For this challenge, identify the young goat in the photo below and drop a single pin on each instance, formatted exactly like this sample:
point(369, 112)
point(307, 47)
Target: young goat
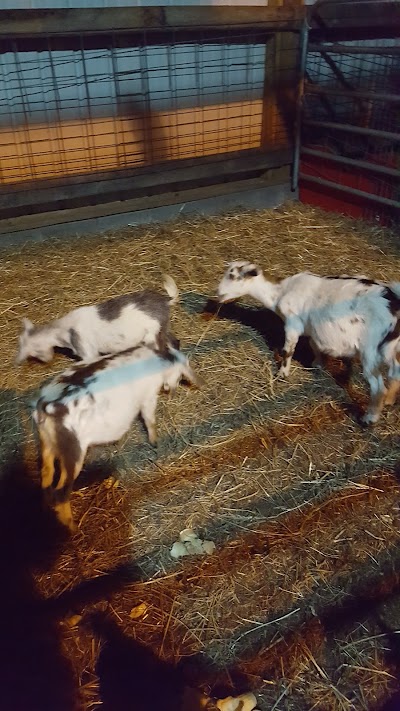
point(96, 403)
point(100, 329)
point(343, 317)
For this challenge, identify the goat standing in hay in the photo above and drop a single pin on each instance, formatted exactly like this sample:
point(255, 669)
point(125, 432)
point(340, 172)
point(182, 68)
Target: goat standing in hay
point(105, 328)
point(342, 316)
point(96, 403)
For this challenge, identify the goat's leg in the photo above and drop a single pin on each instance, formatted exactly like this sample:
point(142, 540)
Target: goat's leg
point(162, 342)
point(293, 331)
point(62, 493)
point(86, 352)
point(47, 451)
point(393, 378)
point(377, 394)
point(318, 361)
point(148, 412)
point(391, 393)
point(48, 468)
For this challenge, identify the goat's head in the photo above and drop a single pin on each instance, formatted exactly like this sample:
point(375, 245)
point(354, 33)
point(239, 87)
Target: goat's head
point(180, 370)
point(237, 281)
point(34, 343)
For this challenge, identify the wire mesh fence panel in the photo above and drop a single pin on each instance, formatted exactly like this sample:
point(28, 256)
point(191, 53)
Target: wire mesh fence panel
point(134, 102)
point(351, 113)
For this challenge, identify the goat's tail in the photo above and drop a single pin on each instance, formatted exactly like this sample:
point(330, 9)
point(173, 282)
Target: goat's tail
point(171, 289)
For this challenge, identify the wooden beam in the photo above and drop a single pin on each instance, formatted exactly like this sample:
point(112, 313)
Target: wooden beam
point(280, 89)
point(52, 22)
point(241, 17)
point(274, 176)
point(45, 195)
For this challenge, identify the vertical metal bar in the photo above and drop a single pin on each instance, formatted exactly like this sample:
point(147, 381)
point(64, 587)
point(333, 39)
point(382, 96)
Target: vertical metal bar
point(58, 102)
point(299, 108)
point(173, 123)
point(11, 122)
point(146, 116)
point(251, 52)
point(116, 113)
point(198, 54)
point(89, 133)
point(82, 114)
point(267, 137)
point(25, 110)
point(218, 146)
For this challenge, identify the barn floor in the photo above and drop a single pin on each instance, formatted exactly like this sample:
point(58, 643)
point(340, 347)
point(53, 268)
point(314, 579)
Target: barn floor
point(299, 601)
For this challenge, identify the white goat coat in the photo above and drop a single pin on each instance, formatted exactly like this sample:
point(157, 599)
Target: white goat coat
point(96, 403)
point(109, 327)
point(342, 316)
point(102, 408)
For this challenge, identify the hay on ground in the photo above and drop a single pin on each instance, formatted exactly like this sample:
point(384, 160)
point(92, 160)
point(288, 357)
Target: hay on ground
point(300, 501)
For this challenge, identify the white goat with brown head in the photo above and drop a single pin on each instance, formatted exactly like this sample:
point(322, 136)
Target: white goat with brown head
point(342, 316)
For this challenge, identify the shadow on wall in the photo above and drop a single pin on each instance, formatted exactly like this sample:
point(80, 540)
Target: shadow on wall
point(134, 136)
point(94, 144)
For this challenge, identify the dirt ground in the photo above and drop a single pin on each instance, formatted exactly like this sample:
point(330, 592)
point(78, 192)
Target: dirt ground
point(300, 602)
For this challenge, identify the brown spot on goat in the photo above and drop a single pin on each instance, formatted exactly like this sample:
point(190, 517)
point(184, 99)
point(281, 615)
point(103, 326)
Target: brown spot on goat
point(392, 335)
point(151, 302)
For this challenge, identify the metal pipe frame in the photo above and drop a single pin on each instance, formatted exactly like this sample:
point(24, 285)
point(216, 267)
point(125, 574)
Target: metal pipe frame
point(375, 96)
point(350, 191)
point(299, 107)
point(365, 165)
point(389, 135)
point(353, 49)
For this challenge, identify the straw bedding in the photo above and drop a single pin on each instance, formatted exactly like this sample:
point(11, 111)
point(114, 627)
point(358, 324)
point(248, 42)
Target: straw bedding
point(301, 503)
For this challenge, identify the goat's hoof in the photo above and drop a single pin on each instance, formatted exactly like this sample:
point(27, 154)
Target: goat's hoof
point(282, 374)
point(317, 364)
point(368, 420)
point(390, 400)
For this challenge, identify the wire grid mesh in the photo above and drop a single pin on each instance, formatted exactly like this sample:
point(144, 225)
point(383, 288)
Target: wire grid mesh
point(360, 90)
point(90, 109)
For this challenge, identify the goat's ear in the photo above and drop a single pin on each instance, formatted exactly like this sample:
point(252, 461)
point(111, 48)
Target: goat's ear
point(27, 324)
point(251, 271)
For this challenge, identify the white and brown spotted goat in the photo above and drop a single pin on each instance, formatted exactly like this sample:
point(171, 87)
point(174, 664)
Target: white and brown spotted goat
point(342, 316)
point(96, 403)
point(105, 328)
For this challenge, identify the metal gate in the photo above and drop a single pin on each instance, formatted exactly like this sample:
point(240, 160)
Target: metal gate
point(349, 143)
